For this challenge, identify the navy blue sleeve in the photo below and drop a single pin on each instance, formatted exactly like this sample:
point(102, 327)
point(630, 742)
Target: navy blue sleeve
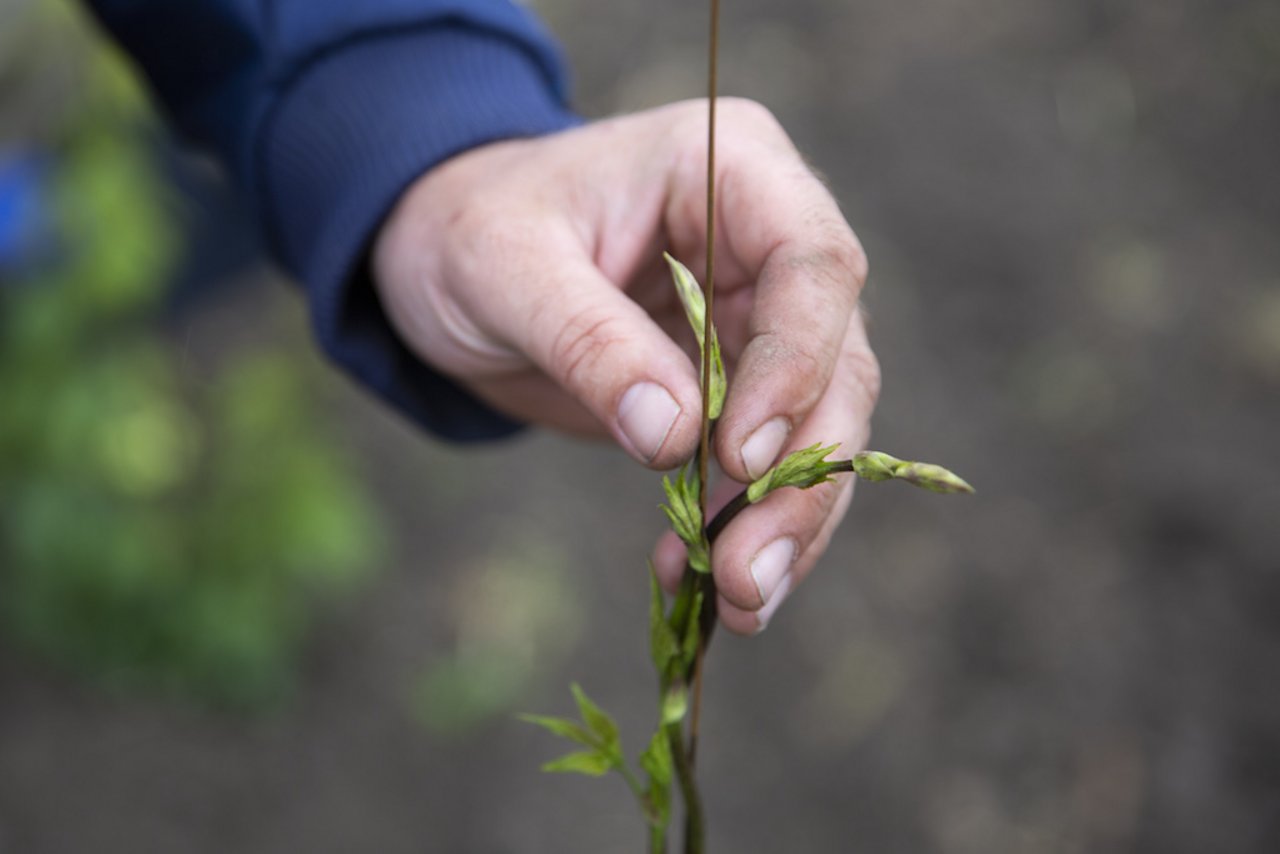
point(325, 111)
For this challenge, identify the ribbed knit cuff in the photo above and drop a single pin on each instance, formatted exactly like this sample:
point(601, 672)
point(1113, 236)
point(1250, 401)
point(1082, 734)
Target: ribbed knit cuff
point(344, 142)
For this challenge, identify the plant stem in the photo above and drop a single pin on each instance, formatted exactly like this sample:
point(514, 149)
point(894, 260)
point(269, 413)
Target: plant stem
point(694, 830)
point(740, 502)
point(726, 515)
point(657, 839)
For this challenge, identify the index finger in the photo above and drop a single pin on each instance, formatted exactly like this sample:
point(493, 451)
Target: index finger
point(781, 224)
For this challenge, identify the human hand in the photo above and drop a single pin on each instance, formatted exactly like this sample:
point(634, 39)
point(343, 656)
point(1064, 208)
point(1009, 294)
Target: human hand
point(532, 272)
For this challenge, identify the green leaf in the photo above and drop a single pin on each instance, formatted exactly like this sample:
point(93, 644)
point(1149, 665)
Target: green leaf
point(592, 763)
point(802, 469)
point(719, 384)
point(563, 727)
point(656, 759)
point(663, 644)
point(675, 704)
point(597, 720)
point(694, 302)
point(684, 511)
point(656, 762)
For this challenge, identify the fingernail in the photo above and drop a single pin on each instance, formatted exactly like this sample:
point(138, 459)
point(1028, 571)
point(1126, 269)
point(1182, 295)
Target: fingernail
point(765, 614)
point(762, 447)
point(646, 414)
point(770, 566)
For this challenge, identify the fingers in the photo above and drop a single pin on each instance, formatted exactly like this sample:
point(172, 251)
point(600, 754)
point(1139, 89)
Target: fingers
point(592, 341)
point(531, 396)
point(782, 226)
point(772, 546)
point(776, 569)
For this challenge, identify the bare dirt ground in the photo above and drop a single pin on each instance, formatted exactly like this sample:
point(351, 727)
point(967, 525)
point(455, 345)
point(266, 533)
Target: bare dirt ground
point(1073, 216)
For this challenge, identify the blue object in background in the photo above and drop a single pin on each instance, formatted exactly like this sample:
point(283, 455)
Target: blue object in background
point(25, 227)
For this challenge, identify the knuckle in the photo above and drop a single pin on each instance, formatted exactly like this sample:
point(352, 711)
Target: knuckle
point(473, 218)
point(857, 263)
point(862, 370)
point(797, 358)
point(751, 112)
point(484, 230)
point(842, 255)
point(809, 367)
point(579, 347)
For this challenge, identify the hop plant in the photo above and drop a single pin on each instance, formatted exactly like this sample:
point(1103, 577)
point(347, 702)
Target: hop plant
point(678, 634)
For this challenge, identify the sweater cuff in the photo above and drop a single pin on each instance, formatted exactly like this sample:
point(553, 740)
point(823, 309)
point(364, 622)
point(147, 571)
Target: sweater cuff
point(347, 138)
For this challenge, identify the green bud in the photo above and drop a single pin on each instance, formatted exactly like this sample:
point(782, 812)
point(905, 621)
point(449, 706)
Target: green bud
point(684, 512)
point(695, 308)
point(675, 704)
point(933, 478)
point(876, 466)
point(811, 467)
point(691, 296)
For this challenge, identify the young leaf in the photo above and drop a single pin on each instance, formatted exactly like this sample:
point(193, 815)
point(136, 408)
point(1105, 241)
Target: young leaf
point(685, 514)
point(563, 727)
point(656, 759)
point(802, 469)
point(597, 720)
point(656, 762)
point(593, 763)
point(691, 297)
point(663, 644)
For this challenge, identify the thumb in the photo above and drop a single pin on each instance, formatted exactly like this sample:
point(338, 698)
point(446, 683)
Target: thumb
point(594, 341)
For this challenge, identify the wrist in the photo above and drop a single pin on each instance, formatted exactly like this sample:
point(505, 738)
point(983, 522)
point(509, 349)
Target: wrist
point(350, 134)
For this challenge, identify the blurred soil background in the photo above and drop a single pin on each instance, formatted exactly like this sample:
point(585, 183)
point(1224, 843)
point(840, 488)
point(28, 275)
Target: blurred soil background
point(309, 627)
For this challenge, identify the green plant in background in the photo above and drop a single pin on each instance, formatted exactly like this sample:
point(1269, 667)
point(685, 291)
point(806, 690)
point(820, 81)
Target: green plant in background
point(679, 634)
point(154, 532)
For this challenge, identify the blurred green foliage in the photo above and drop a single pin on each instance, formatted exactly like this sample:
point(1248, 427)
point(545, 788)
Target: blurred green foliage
point(154, 532)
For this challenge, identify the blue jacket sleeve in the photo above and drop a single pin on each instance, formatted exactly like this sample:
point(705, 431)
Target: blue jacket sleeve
point(325, 111)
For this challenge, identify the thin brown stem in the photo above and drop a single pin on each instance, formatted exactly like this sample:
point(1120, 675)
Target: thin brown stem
point(708, 280)
point(726, 515)
point(740, 502)
point(694, 829)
